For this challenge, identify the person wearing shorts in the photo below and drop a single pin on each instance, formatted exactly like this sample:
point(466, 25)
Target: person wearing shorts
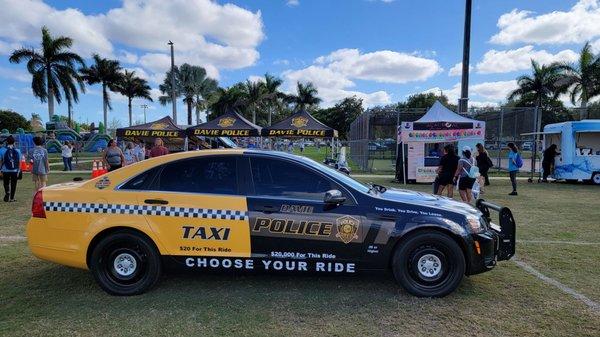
point(448, 164)
point(465, 183)
point(41, 167)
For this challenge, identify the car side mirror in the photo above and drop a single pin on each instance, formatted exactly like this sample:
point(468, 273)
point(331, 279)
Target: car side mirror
point(334, 197)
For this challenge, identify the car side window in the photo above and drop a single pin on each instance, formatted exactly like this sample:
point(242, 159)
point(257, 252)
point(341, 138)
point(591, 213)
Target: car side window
point(211, 175)
point(142, 181)
point(280, 178)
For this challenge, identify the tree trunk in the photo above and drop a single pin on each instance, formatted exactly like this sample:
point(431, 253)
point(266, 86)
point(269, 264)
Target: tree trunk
point(70, 113)
point(197, 115)
point(270, 114)
point(583, 112)
point(189, 113)
point(50, 95)
point(105, 107)
point(130, 114)
point(253, 115)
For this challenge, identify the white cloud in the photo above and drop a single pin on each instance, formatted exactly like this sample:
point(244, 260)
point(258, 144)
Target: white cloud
point(497, 91)
point(580, 23)
point(281, 62)
point(7, 48)
point(204, 32)
point(256, 78)
point(15, 74)
point(380, 66)
point(456, 70)
point(293, 3)
point(504, 61)
point(334, 74)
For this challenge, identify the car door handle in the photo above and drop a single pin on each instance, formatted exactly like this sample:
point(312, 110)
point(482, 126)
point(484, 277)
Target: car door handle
point(156, 201)
point(267, 209)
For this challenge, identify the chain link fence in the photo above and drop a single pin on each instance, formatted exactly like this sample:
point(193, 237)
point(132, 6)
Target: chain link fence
point(373, 135)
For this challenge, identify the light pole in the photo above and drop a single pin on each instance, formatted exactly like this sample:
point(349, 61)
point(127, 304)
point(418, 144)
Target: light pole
point(463, 102)
point(173, 98)
point(144, 106)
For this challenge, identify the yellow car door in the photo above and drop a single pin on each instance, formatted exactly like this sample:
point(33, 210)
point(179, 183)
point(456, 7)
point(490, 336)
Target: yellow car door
point(195, 207)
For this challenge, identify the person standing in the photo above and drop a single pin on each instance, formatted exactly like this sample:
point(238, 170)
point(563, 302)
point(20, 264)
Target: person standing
point(465, 181)
point(130, 154)
point(514, 163)
point(484, 163)
point(67, 156)
point(445, 171)
point(159, 149)
point(41, 166)
point(548, 161)
point(113, 157)
point(10, 168)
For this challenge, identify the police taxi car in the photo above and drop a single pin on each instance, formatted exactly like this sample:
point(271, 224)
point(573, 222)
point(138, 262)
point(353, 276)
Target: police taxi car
point(249, 210)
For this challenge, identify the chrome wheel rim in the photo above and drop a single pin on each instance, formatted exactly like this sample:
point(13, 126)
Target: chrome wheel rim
point(429, 266)
point(125, 264)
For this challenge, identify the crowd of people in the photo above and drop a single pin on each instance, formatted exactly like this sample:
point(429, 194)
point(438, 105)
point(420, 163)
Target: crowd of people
point(114, 157)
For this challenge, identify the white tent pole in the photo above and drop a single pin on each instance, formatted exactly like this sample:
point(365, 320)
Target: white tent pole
point(403, 164)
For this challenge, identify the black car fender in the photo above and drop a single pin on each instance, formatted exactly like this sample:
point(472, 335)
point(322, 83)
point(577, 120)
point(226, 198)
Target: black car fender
point(404, 229)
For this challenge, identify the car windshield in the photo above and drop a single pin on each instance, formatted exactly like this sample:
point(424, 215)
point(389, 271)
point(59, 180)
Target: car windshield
point(339, 176)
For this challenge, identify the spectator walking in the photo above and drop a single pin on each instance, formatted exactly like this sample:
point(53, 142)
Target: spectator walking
point(465, 181)
point(10, 158)
point(548, 161)
point(139, 150)
point(514, 163)
point(41, 166)
point(113, 157)
point(484, 163)
point(130, 154)
point(448, 165)
point(302, 145)
point(159, 149)
point(67, 156)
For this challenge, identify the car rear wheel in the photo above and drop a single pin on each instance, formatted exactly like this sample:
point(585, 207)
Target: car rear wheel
point(429, 264)
point(125, 263)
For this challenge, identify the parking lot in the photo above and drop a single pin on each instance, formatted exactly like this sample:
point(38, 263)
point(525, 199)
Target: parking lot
point(549, 289)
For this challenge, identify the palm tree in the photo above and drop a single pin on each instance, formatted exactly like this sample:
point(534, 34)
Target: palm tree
point(107, 73)
point(192, 84)
point(203, 97)
point(306, 96)
point(272, 94)
point(583, 78)
point(225, 99)
point(545, 83)
point(255, 94)
point(53, 68)
point(132, 86)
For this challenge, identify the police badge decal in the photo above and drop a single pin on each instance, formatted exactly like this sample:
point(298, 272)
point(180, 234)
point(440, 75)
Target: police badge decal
point(226, 122)
point(347, 228)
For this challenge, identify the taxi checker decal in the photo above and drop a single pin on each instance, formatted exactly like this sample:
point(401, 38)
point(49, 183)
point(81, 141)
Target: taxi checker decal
point(184, 212)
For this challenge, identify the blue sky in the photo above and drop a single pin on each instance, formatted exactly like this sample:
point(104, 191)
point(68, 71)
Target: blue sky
point(379, 50)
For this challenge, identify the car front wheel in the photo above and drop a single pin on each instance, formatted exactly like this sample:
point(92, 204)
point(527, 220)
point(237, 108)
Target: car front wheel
point(125, 263)
point(429, 264)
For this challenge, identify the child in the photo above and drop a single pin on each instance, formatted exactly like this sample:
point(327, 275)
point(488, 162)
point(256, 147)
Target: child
point(41, 167)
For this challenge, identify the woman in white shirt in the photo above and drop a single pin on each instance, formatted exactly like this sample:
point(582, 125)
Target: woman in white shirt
point(130, 154)
point(67, 156)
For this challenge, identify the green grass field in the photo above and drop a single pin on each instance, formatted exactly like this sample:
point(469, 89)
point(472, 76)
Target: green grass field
point(39, 298)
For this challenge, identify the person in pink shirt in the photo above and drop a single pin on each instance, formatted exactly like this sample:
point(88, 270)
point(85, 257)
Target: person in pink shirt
point(159, 149)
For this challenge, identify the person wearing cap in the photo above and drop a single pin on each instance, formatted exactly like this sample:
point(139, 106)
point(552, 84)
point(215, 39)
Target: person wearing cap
point(465, 183)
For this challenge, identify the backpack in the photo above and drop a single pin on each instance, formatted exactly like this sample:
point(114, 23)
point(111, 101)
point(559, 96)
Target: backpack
point(473, 171)
point(10, 160)
point(519, 160)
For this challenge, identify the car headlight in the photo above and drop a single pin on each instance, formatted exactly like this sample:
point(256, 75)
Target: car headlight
point(474, 224)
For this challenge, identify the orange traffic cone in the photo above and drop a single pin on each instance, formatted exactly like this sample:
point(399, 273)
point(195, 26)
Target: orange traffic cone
point(101, 169)
point(24, 166)
point(94, 169)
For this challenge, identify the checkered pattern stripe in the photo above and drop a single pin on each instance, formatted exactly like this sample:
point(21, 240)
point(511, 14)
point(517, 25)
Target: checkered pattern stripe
point(184, 212)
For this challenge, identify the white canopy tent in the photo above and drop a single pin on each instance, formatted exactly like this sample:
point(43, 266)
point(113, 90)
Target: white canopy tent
point(438, 125)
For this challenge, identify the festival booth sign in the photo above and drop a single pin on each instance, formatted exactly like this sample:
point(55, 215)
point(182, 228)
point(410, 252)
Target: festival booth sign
point(231, 124)
point(300, 124)
point(164, 128)
point(438, 125)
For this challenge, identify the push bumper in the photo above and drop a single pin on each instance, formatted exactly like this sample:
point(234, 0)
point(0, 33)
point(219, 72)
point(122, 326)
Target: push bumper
point(504, 234)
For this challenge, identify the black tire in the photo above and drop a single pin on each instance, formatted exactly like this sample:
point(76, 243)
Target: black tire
point(596, 178)
point(140, 268)
point(429, 264)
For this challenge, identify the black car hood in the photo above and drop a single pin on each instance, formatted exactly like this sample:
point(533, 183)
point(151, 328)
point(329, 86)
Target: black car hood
point(427, 200)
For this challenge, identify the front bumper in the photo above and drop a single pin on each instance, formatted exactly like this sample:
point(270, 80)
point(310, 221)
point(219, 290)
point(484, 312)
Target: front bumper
point(497, 243)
